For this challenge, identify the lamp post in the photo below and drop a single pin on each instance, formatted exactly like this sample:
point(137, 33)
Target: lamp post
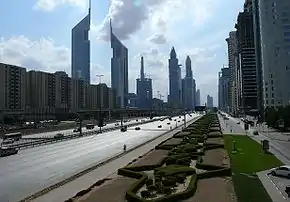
point(100, 121)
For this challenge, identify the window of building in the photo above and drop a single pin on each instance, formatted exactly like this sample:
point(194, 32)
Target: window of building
point(267, 102)
point(272, 82)
point(286, 33)
point(272, 102)
point(272, 88)
point(287, 68)
point(266, 89)
point(272, 95)
point(266, 95)
point(287, 40)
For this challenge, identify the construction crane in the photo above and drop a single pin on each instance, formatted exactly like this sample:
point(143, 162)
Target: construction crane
point(100, 77)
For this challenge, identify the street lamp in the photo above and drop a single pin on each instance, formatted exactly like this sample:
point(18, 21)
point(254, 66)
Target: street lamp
point(100, 121)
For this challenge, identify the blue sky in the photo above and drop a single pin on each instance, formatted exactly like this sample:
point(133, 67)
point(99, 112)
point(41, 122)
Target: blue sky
point(37, 35)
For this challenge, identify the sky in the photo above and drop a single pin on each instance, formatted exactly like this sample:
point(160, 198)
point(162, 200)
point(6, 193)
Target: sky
point(36, 34)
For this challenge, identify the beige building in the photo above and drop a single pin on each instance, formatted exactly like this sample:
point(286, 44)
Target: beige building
point(92, 97)
point(12, 88)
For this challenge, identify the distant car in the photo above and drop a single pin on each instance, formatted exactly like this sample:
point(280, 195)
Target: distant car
point(255, 133)
point(137, 128)
point(159, 126)
point(168, 123)
point(58, 136)
point(8, 141)
point(238, 122)
point(175, 120)
point(116, 124)
point(124, 129)
point(76, 130)
point(281, 171)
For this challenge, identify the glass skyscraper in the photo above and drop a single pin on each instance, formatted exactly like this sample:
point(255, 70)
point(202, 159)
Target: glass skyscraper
point(80, 52)
point(119, 70)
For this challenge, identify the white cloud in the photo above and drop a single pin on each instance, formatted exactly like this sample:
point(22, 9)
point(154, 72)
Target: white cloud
point(50, 5)
point(39, 55)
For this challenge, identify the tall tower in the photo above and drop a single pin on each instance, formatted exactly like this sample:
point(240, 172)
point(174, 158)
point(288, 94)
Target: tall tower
point(142, 74)
point(80, 52)
point(144, 89)
point(174, 79)
point(188, 88)
point(119, 70)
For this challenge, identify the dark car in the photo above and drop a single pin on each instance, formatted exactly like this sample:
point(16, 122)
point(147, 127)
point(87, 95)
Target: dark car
point(137, 128)
point(124, 129)
point(159, 126)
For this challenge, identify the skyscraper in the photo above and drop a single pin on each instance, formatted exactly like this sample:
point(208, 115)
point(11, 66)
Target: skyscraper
point(144, 89)
point(188, 87)
point(119, 70)
point(274, 20)
point(223, 94)
point(247, 60)
point(80, 52)
point(209, 101)
point(174, 80)
point(197, 98)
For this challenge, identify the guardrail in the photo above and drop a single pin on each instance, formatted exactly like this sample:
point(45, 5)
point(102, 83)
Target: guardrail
point(49, 140)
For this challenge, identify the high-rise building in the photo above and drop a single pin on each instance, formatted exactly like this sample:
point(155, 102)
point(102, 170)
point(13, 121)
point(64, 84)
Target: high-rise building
point(174, 80)
point(188, 86)
point(40, 94)
point(78, 94)
point(197, 97)
point(233, 61)
point(209, 101)
point(119, 70)
point(12, 88)
point(274, 20)
point(247, 60)
point(80, 52)
point(223, 85)
point(144, 89)
point(63, 91)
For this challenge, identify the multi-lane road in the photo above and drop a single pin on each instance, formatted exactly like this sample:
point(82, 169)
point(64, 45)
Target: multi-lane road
point(34, 169)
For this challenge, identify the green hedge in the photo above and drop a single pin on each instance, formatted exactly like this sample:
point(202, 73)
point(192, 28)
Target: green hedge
point(132, 197)
point(130, 173)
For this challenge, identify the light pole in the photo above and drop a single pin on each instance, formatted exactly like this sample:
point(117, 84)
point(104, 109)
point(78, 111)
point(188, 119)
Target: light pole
point(100, 121)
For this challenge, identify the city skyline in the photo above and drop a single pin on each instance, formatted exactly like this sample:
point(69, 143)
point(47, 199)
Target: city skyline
point(48, 48)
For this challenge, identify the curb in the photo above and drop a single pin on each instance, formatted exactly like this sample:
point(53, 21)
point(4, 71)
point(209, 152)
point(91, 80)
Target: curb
point(75, 176)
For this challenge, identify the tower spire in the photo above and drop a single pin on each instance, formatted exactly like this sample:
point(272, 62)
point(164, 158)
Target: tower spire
point(90, 5)
point(142, 74)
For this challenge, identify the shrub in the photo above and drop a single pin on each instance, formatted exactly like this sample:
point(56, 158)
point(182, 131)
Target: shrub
point(167, 190)
point(149, 182)
point(145, 194)
point(180, 177)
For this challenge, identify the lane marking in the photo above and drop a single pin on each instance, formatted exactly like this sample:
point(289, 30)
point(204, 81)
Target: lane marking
point(274, 184)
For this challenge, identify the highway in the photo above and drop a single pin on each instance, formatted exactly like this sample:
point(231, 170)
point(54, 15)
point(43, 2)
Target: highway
point(34, 169)
point(70, 131)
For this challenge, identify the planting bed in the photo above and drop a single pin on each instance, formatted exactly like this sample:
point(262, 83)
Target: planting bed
point(185, 168)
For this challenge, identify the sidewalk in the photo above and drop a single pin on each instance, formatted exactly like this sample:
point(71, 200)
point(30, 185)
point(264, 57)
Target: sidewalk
point(70, 189)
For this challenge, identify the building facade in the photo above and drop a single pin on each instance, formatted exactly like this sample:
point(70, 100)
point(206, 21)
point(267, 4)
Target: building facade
point(209, 101)
point(119, 70)
point(80, 51)
point(175, 95)
point(144, 89)
point(188, 86)
point(12, 88)
point(197, 98)
point(274, 21)
point(224, 87)
point(247, 61)
point(233, 61)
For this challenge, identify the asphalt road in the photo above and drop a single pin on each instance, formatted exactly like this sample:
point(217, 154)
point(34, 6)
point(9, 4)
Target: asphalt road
point(36, 168)
point(232, 126)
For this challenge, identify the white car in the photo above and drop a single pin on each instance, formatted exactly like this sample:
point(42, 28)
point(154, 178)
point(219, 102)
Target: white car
point(281, 171)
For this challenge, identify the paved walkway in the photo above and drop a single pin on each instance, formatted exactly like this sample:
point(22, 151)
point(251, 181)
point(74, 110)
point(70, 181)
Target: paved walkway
point(70, 189)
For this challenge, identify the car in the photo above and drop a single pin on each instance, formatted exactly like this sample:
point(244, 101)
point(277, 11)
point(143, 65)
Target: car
point(123, 128)
point(116, 124)
point(255, 133)
point(238, 122)
point(168, 123)
point(8, 141)
point(159, 126)
point(76, 130)
point(58, 136)
point(281, 171)
point(137, 128)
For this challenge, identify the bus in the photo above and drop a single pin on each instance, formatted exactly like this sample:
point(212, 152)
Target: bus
point(16, 136)
point(90, 126)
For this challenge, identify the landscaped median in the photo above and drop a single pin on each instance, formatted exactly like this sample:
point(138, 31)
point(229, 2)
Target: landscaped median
point(247, 158)
point(188, 167)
